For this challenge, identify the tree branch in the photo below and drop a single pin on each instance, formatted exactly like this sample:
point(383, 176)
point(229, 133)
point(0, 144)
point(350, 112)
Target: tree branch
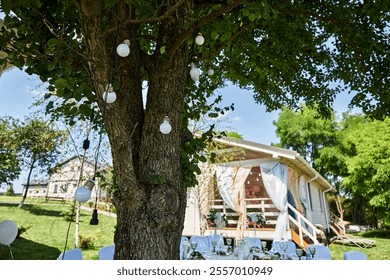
point(171, 10)
point(181, 39)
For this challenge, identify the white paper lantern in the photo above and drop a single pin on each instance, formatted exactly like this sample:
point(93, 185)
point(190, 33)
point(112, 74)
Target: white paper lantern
point(195, 73)
point(199, 40)
point(109, 96)
point(123, 49)
point(82, 194)
point(165, 126)
point(8, 232)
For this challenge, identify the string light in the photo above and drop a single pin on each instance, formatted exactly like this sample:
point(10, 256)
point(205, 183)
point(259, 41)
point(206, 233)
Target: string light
point(83, 194)
point(199, 40)
point(123, 49)
point(109, 95)
point(195, 72)
point(165, 126)
point(210, 72)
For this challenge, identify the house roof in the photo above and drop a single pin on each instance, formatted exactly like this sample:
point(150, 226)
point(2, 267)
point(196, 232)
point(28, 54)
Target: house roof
point(36, 183)
point(252, 151)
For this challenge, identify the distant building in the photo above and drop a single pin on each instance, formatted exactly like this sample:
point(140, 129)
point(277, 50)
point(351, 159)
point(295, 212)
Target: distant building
point(36, 188)
point(64, 179)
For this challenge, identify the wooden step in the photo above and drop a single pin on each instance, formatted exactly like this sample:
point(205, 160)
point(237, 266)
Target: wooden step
point(296, 239)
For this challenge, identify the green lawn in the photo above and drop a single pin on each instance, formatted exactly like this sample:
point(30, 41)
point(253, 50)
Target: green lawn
point(46, 237)
point(47, 230)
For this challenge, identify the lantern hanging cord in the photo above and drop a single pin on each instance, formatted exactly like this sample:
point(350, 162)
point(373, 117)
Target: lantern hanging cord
point(86, 143)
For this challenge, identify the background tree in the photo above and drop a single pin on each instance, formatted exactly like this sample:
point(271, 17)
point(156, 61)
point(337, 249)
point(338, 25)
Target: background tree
point(39, 143)
point(284, 51)
point(10, 191)
point(368, 167)
point(351, 153)
point(9, 146)
point(305, 131)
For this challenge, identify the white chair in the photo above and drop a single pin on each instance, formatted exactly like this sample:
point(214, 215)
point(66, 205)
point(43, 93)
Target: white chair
point(253, 242)
point(355, 255)
point(106, 252)
point(220, 245)
point(203, 243)
point(322, 252)
point(72, 254)
point(290, 251)
point(184, 244)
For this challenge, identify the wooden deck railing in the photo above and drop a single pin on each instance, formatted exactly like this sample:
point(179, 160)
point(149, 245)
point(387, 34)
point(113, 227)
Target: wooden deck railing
point(306, 231)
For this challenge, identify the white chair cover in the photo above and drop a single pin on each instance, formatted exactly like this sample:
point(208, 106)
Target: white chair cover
point(253, 242)
point(322, 252)
point(73, 254)
point(220, 242)
point(203, 243)
point(291, 249)
point(106, 252)
point(182, 242)
point(355, 255)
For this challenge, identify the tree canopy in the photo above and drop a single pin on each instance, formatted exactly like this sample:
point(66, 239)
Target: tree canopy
point(9, 161)
point(351, 152)
point(286, 52)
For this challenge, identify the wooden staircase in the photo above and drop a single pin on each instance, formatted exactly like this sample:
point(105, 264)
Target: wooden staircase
point(296, 238)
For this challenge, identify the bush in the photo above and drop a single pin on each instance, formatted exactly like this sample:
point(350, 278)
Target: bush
point(86, 241)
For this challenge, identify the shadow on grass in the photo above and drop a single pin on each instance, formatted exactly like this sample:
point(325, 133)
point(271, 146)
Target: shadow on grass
point(24, 249)
point(38, 210)
point(376, 234)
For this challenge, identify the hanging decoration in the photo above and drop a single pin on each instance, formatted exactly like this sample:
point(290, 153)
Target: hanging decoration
point(123, 49)
point(165, 126)
point(199, 40)
point(195, 72)
point(109, 96)
point(83, 194)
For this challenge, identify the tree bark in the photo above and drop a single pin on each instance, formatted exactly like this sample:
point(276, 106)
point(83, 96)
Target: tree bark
point(150, 197)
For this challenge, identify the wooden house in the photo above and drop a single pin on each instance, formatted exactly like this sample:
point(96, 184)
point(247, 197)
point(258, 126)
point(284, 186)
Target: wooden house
point(250, 179)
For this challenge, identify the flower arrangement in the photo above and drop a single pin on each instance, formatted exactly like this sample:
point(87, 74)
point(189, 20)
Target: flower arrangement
point(217, 219)
point(256, 219)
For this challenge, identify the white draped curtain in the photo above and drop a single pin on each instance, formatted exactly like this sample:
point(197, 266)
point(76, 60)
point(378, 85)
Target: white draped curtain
point(275, 180)
point(231, 185)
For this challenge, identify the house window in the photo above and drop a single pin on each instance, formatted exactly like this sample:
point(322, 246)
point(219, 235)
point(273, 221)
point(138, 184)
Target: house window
point(55, 189)
point(321, 202)
point(310, 198)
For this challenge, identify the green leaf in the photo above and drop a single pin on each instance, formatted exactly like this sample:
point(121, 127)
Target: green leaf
point(162, 49)
point(61, 83)
point(53, 42)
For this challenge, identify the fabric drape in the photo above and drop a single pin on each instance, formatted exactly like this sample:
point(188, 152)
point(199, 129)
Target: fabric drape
point(293, 178)
point(231, 185)
point(274, 176)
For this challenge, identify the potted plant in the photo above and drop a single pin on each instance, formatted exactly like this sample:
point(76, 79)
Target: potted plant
point(216, 219)
point(256, 219)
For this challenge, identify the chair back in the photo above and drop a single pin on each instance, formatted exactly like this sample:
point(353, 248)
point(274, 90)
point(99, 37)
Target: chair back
point(106, 252)
point(203, 243)
point(322, 252)
point(72, 254)
point(220, 242)
point(290, 250)
point(253, 242)
point(355, 255)
point(184, 244)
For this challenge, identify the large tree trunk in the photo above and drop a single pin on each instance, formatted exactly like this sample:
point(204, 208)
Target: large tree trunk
point(150, 197)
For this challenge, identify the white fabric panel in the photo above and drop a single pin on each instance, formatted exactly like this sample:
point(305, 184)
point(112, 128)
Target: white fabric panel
point(275, 181)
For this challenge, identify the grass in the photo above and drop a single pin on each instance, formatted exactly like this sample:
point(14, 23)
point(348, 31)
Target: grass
point(47, 228)
point(46, 234)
